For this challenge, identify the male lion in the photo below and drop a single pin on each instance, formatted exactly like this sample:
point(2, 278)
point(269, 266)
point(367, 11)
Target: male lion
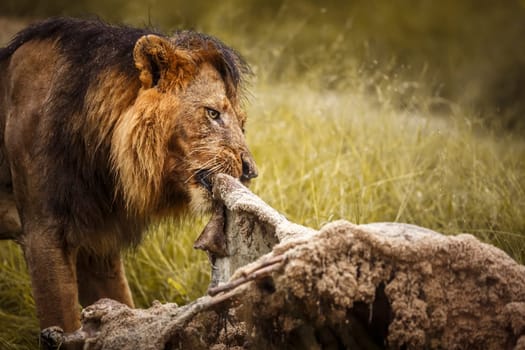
point(103, 128)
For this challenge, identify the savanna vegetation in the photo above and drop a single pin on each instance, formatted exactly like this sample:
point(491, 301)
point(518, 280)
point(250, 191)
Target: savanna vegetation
point(366, 110)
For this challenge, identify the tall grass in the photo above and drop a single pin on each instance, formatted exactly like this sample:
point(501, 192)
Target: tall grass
point(335, 136)
point(18, 323)
point(325, 156)
point(166, 267)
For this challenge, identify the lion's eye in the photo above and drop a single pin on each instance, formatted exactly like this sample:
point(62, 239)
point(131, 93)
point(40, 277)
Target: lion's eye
point(213, 114)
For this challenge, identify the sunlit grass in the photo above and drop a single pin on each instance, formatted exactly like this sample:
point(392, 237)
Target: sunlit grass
point(166, 267)
point(18, 323)
point(324, 157)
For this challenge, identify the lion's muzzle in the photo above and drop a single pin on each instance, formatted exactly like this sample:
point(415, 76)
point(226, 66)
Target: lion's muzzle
point(249, 169)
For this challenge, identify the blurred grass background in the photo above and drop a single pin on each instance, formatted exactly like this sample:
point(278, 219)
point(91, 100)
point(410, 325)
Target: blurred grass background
point(409, 111)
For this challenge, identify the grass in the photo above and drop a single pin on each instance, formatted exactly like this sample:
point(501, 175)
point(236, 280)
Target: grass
point(18, 323)
point(341, 156)
point(334, 137)
point(166, 267)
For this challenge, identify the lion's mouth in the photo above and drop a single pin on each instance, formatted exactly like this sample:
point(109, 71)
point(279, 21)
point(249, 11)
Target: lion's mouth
point(203, 177)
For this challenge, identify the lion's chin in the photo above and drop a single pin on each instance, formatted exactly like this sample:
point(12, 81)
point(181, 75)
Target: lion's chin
point(201, 201)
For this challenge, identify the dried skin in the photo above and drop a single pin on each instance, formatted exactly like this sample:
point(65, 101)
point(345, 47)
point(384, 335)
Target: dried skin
point(371, 286)
point(213, 238)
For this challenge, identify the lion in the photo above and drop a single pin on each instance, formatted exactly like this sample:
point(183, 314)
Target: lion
point(103, 129)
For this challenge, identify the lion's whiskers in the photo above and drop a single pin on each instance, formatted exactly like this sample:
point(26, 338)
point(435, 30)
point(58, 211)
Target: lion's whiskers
point(211, 165)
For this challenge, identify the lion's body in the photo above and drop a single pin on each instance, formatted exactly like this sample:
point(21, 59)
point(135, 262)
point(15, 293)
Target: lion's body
point(102, 128)
point(73, 177)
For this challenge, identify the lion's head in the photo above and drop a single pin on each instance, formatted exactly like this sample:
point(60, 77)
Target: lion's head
point(186, 123)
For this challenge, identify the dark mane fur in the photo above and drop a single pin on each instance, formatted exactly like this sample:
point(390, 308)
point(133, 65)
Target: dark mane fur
point(89, 45)
point(92, 45)
point(227, 61)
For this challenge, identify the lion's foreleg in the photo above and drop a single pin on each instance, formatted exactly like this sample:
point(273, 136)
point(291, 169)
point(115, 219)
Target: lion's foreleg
point(102, 278)
point(53, 278)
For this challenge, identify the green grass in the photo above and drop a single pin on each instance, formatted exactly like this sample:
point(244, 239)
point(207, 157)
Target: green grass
point(166, 267)
point(18, 323)
point(335, 135)
point(325, 156)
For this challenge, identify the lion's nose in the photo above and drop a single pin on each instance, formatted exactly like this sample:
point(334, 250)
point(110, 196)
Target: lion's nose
point(249, 170)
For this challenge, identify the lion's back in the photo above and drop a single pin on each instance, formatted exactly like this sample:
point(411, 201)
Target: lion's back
point(85, 49)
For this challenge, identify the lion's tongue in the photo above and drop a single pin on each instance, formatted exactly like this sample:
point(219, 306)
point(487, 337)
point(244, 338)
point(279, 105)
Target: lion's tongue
point(212, 239)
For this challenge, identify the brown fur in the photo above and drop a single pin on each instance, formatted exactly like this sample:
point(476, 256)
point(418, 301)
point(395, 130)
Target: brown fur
point(97, 143)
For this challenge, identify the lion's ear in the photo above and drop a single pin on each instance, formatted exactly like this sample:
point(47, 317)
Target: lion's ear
point(160, 63)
